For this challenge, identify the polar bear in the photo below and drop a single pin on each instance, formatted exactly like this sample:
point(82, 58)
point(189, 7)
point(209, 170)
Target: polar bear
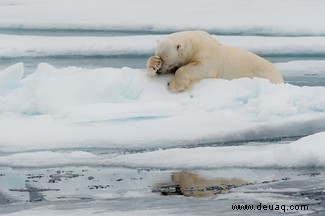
point(195, 55)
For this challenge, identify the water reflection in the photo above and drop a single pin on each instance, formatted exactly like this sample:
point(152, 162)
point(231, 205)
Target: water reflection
point(192, 184)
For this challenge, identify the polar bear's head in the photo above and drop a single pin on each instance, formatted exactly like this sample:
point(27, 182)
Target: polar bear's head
point(172, 52)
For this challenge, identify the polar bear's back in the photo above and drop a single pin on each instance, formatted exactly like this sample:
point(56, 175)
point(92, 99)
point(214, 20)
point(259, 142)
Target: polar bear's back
point(237, 63)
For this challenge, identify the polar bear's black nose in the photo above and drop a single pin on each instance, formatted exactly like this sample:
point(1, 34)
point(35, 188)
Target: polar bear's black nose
point(159, 71)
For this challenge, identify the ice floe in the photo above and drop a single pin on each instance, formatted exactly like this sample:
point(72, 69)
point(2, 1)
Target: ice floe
point(296, 18)
point(123, 108)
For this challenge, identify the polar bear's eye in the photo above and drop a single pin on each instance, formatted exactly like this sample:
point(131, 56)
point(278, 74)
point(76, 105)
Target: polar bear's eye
point(178, 46)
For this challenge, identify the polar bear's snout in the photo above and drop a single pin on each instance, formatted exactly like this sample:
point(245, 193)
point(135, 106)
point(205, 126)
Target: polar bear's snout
point(159, 71)
point(167, 69)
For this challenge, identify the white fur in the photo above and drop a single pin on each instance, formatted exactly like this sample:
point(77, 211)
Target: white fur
point(195, 55)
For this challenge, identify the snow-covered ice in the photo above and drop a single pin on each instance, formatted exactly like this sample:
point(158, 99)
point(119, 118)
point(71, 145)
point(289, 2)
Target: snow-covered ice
point(19, 46)
point(36, 46)
point(75, 108)
point(304, 153)
point(246, 17)
point(79, 108)
point(12, 76)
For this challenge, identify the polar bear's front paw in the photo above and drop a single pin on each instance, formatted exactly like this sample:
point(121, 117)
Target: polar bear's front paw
point(154, 64)
point(174, 86)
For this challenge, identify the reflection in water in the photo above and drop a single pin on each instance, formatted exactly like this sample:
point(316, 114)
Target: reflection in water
point(35, 194)
point(192, 184)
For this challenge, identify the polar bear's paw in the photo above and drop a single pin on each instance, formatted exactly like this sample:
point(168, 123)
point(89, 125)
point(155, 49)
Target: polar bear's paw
point(174, 86)
point(154, 64)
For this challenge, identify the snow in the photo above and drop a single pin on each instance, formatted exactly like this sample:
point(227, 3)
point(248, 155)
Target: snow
point(18, 46)
point(81, 108)
point(294, 18)
point(11, 77)
point(303, 153)
point(40, 46)
point(87, 211)
point(311, 68)
point(75, 108)
point(306, 152)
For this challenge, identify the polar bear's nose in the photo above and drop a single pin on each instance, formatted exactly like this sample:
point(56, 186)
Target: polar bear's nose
point(159, 71)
